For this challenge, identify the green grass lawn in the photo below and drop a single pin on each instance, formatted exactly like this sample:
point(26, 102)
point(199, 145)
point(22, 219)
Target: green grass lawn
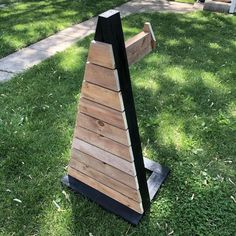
point(185, 96)
point(25, 22)
point(184, 1)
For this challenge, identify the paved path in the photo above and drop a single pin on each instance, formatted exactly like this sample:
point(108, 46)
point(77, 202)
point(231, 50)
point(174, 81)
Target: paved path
point(37, 52)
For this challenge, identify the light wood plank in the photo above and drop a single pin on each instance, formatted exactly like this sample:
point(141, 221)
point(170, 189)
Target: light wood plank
point(106, 169)
point(104, 129)
point(101, 54)
point(102, 76)
point(106, 114)
point(102, 96)
point(104, 143)
point(136, 206)
point(106, 158)
point(138, 46)
point(148, 29)
point(106, 180)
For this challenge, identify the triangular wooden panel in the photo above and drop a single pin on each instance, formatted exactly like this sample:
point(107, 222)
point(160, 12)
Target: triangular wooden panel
point(102, 127)
point(106, 162)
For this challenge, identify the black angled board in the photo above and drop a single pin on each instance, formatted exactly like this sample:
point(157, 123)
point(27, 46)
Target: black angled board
point(109, 30)
point(103, 200)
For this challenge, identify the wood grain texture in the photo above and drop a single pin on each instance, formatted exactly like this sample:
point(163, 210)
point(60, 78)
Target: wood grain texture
point(106, 168)
point(104, 129)
point(101, 54)
point(106, 158)
point(138, 46)
point(102, 76)
point(136, 206)
point(102, 96)
point(106, 114)
point(109, 30)
point(148, 29)
point(106, 180)
point(104, 143)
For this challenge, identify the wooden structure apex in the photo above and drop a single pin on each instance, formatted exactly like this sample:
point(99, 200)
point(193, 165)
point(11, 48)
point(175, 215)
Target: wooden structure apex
point(101, 54)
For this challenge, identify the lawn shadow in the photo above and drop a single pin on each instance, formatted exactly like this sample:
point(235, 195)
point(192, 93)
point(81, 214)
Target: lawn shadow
point(185, 121)
point(183, 97)
point(180, 115)
point(37, 123)
point(40, 19)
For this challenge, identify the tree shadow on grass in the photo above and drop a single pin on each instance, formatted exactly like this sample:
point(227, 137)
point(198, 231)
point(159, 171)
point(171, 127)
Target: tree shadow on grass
point(186, 121)
point(39, 19)
point(183, 96)
point(37, 121)
point(185, 101)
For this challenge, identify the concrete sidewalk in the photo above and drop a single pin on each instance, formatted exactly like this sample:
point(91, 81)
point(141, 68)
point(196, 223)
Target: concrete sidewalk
point(32, 55)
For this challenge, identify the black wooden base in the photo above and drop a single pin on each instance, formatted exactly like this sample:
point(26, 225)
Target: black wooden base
point(159, 174)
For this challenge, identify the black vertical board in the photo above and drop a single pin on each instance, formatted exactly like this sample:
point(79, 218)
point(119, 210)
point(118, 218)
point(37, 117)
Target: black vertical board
point(109, 30)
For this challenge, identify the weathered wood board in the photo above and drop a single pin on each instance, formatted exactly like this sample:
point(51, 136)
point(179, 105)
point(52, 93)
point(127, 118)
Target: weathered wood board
point(107, 180)
point(140, 45)
point(136, 206)
point(106, 158)
point(104, 143)
point(104, 113)
point(108, 98)
point(104, 129)
point(101, 54)
point(102, 76)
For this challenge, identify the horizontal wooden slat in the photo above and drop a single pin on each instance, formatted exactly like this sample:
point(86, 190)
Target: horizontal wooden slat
point(101, 54)
point(138, 46)
point(106, 180)
point(104, 129)
point(104, 143)
point(102, 96)
point(106, 114)
point(108, 170)
point(106, 158)
point(136, 206)
point(102, 76)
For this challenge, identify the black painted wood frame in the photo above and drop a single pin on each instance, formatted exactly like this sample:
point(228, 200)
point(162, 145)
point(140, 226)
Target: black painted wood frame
point(109, 30)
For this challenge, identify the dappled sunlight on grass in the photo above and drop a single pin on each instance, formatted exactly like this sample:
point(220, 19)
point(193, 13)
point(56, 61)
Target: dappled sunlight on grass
point(73, 57)
point(186, 106)
point(173, 42)
point(27, 22)
point(171, 132)
point(186, 124)
point(130, 32)
point(177, 74)
point(147, 84)
point(58, 209)
point(232, 110)
point(212, 81)
point(214, 46)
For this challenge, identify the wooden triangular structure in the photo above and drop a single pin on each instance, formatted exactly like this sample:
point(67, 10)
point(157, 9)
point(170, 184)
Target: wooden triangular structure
point(106, 159)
